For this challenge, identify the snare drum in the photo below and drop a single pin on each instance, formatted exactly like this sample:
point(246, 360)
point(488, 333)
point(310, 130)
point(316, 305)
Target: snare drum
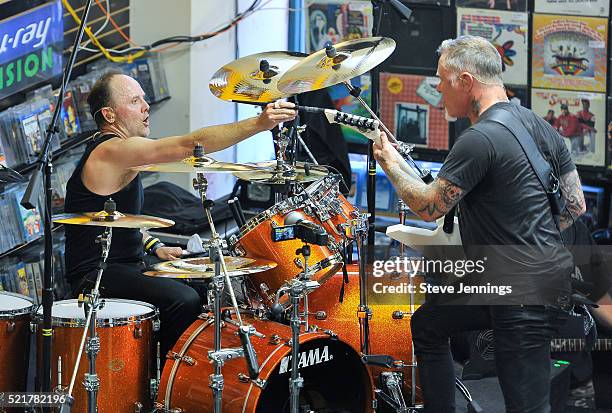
point(335, 378)
point(15, 313)
point(255, 240)
point(124, 363)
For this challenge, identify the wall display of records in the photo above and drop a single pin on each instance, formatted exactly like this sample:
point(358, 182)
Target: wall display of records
point(569, 52)
point(599, 8)
point(507, 31)
point(510, 5)
point(335, 21)
point(580, 118)
point(410, 106)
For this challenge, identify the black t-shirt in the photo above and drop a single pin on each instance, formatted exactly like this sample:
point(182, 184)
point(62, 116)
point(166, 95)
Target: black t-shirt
point(505, 212)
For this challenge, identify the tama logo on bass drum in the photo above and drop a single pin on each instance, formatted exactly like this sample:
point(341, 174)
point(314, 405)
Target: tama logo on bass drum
point(307, 358)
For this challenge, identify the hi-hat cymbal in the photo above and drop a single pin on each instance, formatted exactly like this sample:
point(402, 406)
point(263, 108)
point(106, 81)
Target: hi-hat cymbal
point(253, 78)
point(267, 173)
point(324, 68)
point(202, 268)
point(200, 164)
point(115, 220)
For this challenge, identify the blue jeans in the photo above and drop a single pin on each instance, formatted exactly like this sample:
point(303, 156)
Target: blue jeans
point(522, 352)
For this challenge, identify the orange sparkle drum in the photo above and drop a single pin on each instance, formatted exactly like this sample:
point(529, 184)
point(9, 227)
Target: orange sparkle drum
point(388, 335)
point(15, 317)
point(124, 363)
point(335, 379)
point(255, 240)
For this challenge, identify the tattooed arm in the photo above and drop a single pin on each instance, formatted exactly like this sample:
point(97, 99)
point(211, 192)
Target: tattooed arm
point(429, 202)
point(571, 189)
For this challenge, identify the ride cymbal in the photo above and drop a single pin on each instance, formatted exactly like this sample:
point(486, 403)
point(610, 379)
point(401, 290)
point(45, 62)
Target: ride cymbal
point(200, 164)
point(339, 63)
point(253, 78)
point(267, 172)
point(115, 220)
point(202, 268)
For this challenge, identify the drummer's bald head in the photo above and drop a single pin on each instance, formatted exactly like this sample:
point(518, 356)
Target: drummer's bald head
point(101, 96)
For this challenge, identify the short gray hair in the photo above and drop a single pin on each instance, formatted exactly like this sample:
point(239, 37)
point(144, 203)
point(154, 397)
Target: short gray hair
point(475, 55)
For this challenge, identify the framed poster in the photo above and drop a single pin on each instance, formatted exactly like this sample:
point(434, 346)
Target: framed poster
point(509, 5)
point(344, 102)
point(600, 8)
point(580, 119)
point(509, 33)
point(569, 52)
point(411, 108)
point(336, 21)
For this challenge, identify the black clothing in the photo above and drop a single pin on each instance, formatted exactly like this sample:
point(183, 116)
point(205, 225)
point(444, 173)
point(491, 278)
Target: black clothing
point(522, 352)
point(82, 252)
point(178, 304)
point(505, 214)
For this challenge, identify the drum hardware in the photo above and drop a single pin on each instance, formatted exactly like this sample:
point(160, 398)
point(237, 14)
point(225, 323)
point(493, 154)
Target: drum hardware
point(392, 381)
point(92, 305)
point(154, 383)
point(138, 407)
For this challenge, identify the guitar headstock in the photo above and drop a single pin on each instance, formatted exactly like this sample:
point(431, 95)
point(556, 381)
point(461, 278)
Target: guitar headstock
point(366, 126)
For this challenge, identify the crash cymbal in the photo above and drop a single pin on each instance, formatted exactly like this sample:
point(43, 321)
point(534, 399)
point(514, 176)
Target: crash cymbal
point(202, 268)
point(115, 220)
point(325, 68)
point(200, 164)
point(253, 78)
point(267, 173)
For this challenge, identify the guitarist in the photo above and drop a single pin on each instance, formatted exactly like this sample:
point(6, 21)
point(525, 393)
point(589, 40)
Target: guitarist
point(505, 212)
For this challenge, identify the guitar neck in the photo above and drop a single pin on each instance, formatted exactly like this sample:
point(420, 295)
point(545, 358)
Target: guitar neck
point(578, 344)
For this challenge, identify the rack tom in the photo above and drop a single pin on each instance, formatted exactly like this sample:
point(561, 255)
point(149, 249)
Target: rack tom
point(15, 317)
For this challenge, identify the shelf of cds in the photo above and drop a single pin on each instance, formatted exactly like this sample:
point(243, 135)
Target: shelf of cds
point(22, 132)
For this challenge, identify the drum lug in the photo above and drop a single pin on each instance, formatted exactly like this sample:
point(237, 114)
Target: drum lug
point(156, 321)
point(275, 339)
point(137, 331)
point(154, 388)
point(33, 328)
point(243, 378)
point(260, 383)
point(173, 355)
point(10, 326)
point(138, 407)
point(159, 408)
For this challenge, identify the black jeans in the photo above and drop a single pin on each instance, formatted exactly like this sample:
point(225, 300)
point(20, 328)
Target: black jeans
point(522, 352)
point(179, 305)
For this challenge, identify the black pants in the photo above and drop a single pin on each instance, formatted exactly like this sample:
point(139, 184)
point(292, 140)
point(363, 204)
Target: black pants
point(178, 304)
point(522, 352)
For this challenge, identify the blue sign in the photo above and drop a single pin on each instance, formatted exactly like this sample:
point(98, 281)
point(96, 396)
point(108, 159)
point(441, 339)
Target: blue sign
point(31, 46)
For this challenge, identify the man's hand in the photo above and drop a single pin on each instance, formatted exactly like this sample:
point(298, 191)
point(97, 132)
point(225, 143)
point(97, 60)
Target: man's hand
point(169, 253)
point(385, 153)
point(276, 113)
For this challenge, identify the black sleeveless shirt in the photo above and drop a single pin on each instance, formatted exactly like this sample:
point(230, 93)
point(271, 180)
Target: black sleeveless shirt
point(82, 251)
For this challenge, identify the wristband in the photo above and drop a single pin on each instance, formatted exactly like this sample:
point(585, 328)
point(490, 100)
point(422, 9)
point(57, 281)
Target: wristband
point(152, 244)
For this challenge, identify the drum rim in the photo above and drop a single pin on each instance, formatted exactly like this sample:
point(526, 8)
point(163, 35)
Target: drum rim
point(104, 322)
point(20, 311)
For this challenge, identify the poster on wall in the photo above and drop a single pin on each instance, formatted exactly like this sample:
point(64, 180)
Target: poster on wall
point(344, 102)
point(600, 8)
point(609, 136)
point(569, 52)
point(580, 118)
point(336, 21)
point(510, 5)
point(411, 107)
point(509, 33)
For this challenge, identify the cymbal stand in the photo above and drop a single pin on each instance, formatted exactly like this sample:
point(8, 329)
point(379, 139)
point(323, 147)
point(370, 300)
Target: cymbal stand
point(221, 280)
point(298, 136)
point(92, 304)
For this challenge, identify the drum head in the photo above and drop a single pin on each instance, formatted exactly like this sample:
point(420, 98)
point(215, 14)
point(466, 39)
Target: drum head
point(335, 380)
point(14, 304)
point(114, 313)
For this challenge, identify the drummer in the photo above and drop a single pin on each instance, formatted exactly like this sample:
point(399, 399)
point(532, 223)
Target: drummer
point(117, 103)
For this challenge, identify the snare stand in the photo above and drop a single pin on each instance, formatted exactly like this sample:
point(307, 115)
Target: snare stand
point(93, 304)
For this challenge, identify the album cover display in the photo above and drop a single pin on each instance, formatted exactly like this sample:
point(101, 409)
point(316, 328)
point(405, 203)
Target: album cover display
point(580, 118)
point(507, 31)
point(569, 52)
point(335, 21)
point(510, 5)
point(411, 108)
point(599, 8)
point(417, 39)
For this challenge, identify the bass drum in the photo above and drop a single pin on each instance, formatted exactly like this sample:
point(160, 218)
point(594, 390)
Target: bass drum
point(15, 317)
point(335, 379)
point(388, 335)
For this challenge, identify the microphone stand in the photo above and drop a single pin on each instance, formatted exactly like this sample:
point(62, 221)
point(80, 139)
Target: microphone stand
point(30, 199)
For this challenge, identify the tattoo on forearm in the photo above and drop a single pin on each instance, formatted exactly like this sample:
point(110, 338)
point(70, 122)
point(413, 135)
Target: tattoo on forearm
point(571, 189)
point(430, 202)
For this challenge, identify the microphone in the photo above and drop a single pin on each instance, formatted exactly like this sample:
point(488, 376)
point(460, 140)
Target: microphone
point(249, 352)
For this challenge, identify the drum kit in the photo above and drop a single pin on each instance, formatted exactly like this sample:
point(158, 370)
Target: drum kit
point(305, 350)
